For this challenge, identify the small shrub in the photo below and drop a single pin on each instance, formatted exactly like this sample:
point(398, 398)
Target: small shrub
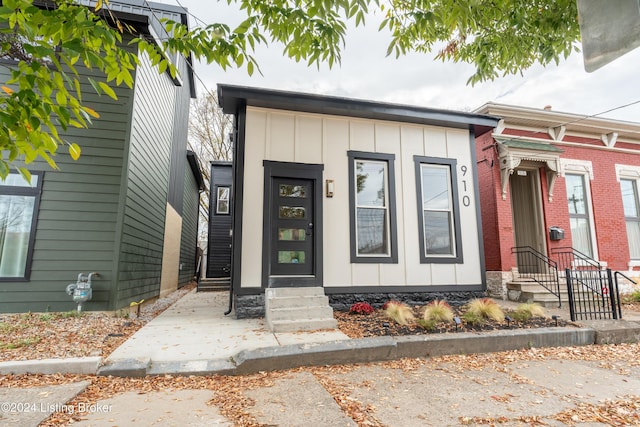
point(486, 308)
point(427, 324)
point(473, 318)
point(438, 311)
point(361, 308)
point(47, 317)
point(399, 312)
point(528, 310)
point(633, 297)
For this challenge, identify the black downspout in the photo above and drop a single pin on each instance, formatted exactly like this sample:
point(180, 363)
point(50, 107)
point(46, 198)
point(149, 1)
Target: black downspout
point(236, 209)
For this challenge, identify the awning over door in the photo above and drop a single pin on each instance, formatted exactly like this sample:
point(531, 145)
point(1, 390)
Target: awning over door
point(513, 151)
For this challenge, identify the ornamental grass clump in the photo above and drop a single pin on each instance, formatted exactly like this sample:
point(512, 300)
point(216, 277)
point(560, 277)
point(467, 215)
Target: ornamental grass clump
point(485, 308)
point(399, 312)
point(438, 311)
point(526, 311)
point(361, 308)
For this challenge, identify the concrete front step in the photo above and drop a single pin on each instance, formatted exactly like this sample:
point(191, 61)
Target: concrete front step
point(307, 312)
point(214, 284)
point(303, 325)
point(298, 309)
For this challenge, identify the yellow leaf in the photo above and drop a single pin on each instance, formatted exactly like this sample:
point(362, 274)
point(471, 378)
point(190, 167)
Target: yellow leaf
point(91, 112)
point(7, 90)
point(98, 5)
point(74, 151)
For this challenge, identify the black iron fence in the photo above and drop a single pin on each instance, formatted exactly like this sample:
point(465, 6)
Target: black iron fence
point(539, 268)
point(593, 294)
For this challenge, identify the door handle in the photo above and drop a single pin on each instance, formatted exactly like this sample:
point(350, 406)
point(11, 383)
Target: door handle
point(309, 228)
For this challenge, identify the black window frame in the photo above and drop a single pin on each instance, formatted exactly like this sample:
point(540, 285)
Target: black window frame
point(35, 192)
point(217, 201)
point(392, 257)
point(452, 164)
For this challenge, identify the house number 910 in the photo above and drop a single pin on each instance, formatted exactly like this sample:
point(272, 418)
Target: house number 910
point(466, 200)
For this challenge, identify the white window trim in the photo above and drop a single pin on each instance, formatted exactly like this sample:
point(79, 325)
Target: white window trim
point(450, 211)
point(631, 173)
point(587, 188)
point(575, 167)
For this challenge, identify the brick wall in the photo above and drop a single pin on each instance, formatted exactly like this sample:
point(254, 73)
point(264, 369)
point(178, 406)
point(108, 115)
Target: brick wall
point(608, 213)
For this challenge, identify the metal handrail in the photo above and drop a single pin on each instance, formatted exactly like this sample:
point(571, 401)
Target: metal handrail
point(565, 251)
point(615, 276)
point(553, 285)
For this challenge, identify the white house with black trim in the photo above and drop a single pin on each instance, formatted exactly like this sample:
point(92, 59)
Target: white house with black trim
point(365, 201)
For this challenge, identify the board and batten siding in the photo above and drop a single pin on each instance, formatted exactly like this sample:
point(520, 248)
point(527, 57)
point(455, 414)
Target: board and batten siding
point(189, 236)
point(325, 139)
point(219, 246)
point(147, 183)
point(78, 214)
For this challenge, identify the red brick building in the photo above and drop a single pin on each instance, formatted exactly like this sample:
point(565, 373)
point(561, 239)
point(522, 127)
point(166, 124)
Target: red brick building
point(541, 169)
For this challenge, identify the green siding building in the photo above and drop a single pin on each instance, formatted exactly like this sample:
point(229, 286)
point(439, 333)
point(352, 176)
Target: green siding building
point(127, 209)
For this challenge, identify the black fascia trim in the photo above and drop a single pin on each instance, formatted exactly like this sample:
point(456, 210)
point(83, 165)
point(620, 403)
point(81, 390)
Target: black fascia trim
point(452, 163)
point(392, 258)
point(292, 170)
point(192, 159)
point(401, 289)
point(476, 193)
point(37, 194)
point(229, 96)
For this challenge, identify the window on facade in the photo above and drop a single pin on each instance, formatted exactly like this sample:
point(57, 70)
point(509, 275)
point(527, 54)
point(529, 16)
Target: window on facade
point(222, 200)
point(631, 204)
point(579, 217)
point(372, 198)
point(18, 210)
point(438, 214)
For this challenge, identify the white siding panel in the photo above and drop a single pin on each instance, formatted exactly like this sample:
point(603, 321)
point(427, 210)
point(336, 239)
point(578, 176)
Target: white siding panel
point(337, 257)
point(435, 142)
point(281, 137)
point(361, 136)
point(458, 147)
point(443, 274)
point(257, 123)
point(388, 142)
point(412, 144)
point(308, 143)
point(365, 274)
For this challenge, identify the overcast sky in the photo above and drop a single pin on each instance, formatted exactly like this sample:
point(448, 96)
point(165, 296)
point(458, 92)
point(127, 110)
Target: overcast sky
point(418, 79)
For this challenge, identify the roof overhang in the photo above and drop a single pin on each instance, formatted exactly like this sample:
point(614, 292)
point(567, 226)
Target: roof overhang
point(192, 159)
point(234, 98)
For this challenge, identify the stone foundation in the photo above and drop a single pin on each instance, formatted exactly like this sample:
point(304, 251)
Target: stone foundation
point(497, 283)
point(342, 302)
point(249, 306)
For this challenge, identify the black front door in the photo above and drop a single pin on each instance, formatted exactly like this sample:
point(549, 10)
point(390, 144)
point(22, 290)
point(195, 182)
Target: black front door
point(292, 233)
point(292, 227)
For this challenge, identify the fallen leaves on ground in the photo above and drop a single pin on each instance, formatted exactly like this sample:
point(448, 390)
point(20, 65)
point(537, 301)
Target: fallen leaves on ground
point(32, 336)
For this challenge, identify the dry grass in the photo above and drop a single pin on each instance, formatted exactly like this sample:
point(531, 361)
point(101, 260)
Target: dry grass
point(438, 311)
point(485, 308)
point(399, 313)
point(527, 311)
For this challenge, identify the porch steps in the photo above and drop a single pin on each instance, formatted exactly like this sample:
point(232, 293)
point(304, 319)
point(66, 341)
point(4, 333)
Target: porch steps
point(527, 290)
point(214, 284)
point(298, 309)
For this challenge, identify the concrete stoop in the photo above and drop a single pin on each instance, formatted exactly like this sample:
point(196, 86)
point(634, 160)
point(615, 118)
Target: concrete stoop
point(298, 309)
point(526, 290)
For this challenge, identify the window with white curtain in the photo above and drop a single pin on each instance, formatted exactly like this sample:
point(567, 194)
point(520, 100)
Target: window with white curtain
point(579, 213)
point(19, 200)
point(631, 205)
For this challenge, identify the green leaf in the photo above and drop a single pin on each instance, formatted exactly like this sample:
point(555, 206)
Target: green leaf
point(25, 174)
point(107, 89)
